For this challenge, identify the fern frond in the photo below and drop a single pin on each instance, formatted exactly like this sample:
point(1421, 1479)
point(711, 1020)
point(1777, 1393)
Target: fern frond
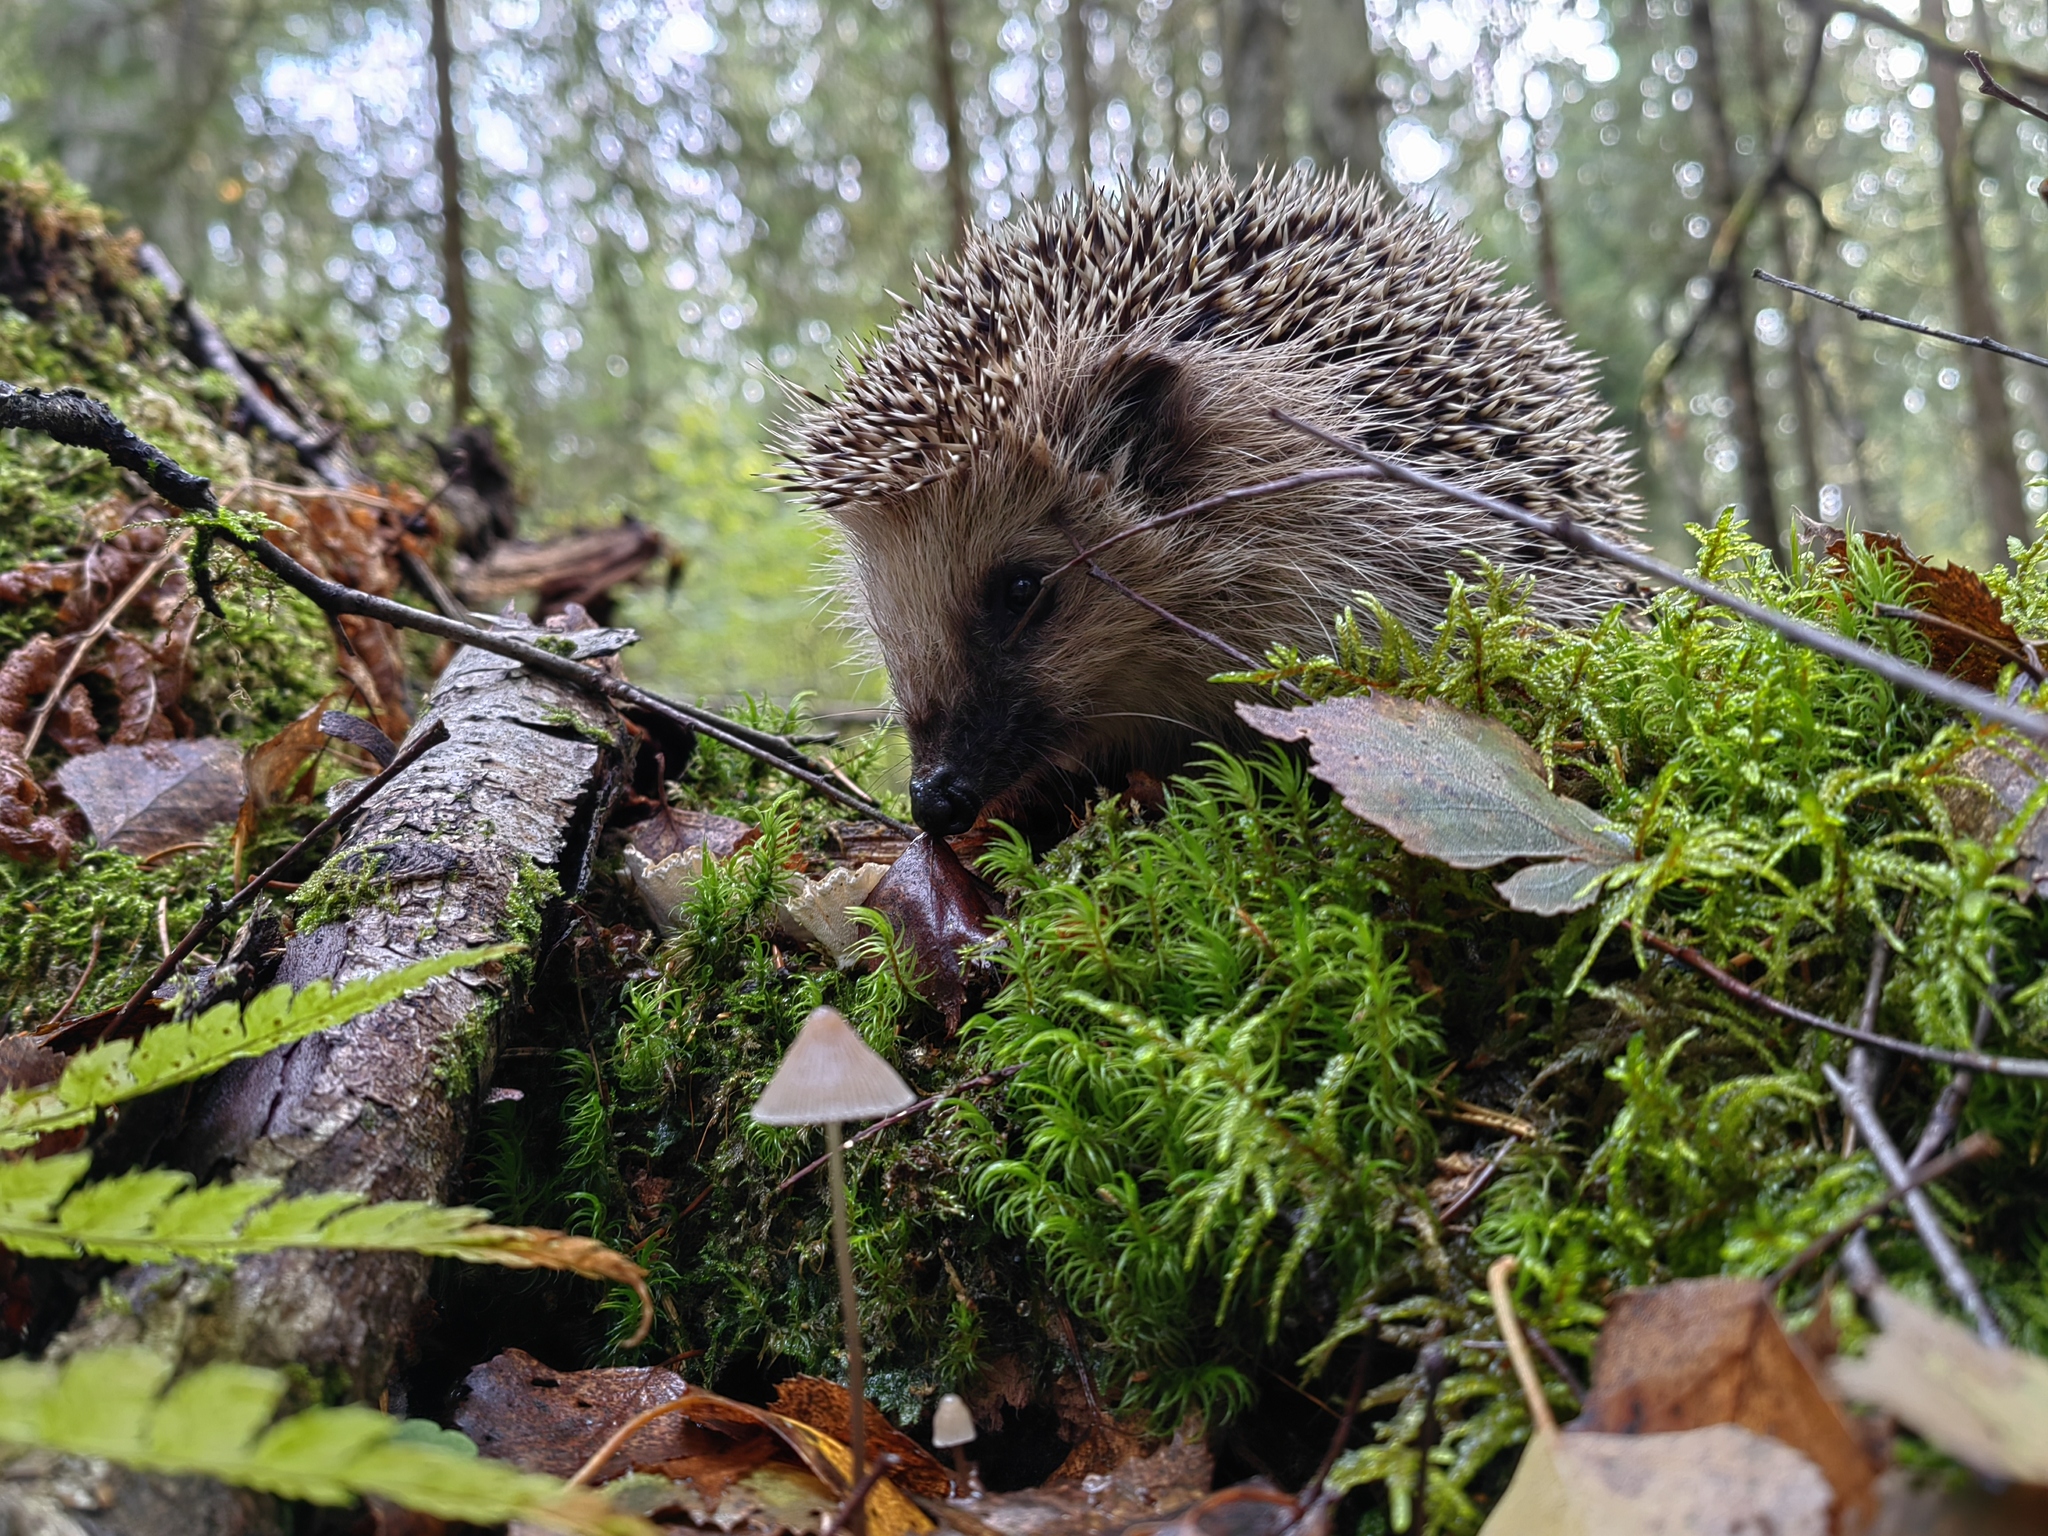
point(218, 1423)
point(156, 1215)
point(171, 1054)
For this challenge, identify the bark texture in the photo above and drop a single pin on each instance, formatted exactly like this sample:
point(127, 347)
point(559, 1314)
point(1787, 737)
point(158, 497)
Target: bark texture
point(1255, 83)
point(454, 275)
point(946, 82)
point(383, 1105)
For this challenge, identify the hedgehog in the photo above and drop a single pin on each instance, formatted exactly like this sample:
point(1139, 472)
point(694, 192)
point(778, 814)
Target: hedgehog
point(1107, 358)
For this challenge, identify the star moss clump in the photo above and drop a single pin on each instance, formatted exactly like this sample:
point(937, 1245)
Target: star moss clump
point(1258, 1054)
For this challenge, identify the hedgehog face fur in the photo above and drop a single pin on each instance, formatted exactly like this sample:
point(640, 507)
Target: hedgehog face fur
point(1098, 362)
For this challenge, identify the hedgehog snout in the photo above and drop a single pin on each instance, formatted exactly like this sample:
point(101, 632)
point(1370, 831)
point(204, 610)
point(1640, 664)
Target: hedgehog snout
point(944, 802)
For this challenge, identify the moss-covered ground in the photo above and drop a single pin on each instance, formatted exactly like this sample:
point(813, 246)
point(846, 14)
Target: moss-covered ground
point(1248, 1033)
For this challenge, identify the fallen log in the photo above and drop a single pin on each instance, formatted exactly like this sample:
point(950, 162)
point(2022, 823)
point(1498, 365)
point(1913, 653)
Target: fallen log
point(466, 848)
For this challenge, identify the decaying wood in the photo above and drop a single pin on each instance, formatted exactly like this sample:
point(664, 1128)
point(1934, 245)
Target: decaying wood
point(383, 1105)
point(576, 568)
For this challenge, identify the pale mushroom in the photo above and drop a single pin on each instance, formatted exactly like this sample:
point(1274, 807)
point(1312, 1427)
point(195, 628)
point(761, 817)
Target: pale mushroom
point(952, 1429)
point(829, 1076)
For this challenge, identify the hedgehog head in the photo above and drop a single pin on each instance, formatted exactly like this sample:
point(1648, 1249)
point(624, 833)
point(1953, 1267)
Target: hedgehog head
point(1100, 362)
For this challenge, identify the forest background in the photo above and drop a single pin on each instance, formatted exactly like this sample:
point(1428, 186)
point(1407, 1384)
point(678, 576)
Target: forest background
point(672, 206)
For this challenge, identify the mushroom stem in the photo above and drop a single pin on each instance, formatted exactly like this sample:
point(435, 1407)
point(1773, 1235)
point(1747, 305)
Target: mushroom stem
point(849, 1311)
point(963, 1480)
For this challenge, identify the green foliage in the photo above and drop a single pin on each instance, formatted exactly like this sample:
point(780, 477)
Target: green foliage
point(221, 1422)
point(156, 1215)
point(176, 1053)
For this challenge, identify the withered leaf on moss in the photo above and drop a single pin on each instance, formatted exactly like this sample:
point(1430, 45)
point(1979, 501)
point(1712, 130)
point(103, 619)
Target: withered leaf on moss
point(1955, 593)
point(1454, 786)
point(143, 800)
point(938, 909)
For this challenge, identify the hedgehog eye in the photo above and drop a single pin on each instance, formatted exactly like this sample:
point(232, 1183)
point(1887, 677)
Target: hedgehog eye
point(1021, 590)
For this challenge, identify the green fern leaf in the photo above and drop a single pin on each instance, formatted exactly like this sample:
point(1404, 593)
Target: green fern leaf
point(172, 1054)
point(216, 1423)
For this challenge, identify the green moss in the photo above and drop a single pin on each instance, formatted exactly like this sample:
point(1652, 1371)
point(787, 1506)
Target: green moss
point(342, 887)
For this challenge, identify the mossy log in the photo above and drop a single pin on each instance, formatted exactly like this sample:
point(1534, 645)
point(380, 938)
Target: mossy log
point(467, 848)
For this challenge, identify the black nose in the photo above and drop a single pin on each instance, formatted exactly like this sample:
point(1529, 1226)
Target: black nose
point(943, 802)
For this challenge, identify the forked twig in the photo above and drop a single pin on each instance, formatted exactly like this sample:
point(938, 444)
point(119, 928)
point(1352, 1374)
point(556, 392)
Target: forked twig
point(1879, 317)
point(1582, 540)
point(1981, 1144)
point(1954, 1273)
point(1997, 92)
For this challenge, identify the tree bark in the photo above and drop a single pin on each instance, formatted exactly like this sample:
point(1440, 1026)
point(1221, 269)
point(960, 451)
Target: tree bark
point(454, 272)
point(1717, 155)
point(2003, 502)
point(383, 1105)
point(1077, 59)
point(1549, 274)
point(945, 80)
point(1339, 75)
point(1255, 90)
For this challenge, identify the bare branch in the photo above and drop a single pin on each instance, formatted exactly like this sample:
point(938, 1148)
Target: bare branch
point(1990, 87)
point(1983, 1144)
point(1932, 44)
point(1881, 318)
point(1582, 540)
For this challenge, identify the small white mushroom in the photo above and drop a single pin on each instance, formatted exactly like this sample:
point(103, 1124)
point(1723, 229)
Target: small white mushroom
point(830, 1075)
point(952, 1424)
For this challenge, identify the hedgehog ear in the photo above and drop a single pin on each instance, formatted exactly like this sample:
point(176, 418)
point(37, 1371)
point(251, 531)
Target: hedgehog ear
point(1137, 422)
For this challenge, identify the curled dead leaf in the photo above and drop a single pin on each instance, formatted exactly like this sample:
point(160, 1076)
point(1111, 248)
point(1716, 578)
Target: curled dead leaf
point(1976, 641)
point(939, 910)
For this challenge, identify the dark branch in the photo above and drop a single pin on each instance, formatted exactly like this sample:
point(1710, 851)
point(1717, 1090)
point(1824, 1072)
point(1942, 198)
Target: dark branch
point(1763, 1002)
point(1879, 317)
point(1935, 46)
point(1983, 1144)
point(72, 416)
point(1990, 87)
point(1582, 540)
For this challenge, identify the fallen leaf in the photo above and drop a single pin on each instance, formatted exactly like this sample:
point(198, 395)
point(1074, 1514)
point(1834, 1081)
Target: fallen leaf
point(270, 767)
point(1989, 784)
point(825, 1405)
point(670, 831)
point(709, 1470)
point(1718, 1481)
point(1698, 1352)
point(771, 1500)
point(518, 1410)
point(938, 909)
point(1457, 787)
point(359, 732)
point(888, 1511)
point(1955, 593)
point(73, 724)
point(1986, 1407)
point(819, 911)
point(1140, 1488)
point(130, 668)
point(143, 799)
point(1939, 1507)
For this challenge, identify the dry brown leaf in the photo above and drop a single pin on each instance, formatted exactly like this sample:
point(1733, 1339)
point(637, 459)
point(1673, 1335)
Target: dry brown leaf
point(518, 1410)
point(711, 1469)
point(145, 799)
point(1986, 1407)
point(1940, 1508)
point(1699, 1352)
point(1718, 1481)
point(270, 767)
point(1955, 593)
point(1457, 787)
point(888, 1511)
point(938, 910)
point(73, 724)
point(825, 1405)
point(130, 668)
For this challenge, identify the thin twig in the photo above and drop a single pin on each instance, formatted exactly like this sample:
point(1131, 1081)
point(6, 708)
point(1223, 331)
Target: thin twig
point(1954, 1274)
point(1192, 509)
point(1982, 1144)
point(1581, 539)
point(71, 416)
point(1879, 317)
point(1341, 1438)
point(1863, 1064)
point(1990, 87)
point(908, 1112)
point(84, 976)
point(1476, 1185)
point(2019, 658)
point(625, 1432)
point(92, 637)
point(849, 1513)
point(1742, 991)
point(1518, 1345)
point(1948, 1109)
point(218, 913)
point(1554, 1358)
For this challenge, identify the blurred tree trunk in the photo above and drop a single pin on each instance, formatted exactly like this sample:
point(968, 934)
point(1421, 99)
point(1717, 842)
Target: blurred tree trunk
point(454, 272)
point(1998, 478)
point(1717, 154)
point(1255, 83)
point(1077, 50)
point(1549, 275)
point(1339, 75)
point(946, 85)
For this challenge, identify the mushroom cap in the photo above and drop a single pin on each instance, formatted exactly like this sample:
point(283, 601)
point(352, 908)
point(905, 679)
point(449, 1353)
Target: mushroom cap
point(952, 1424)
point(828, 1075)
